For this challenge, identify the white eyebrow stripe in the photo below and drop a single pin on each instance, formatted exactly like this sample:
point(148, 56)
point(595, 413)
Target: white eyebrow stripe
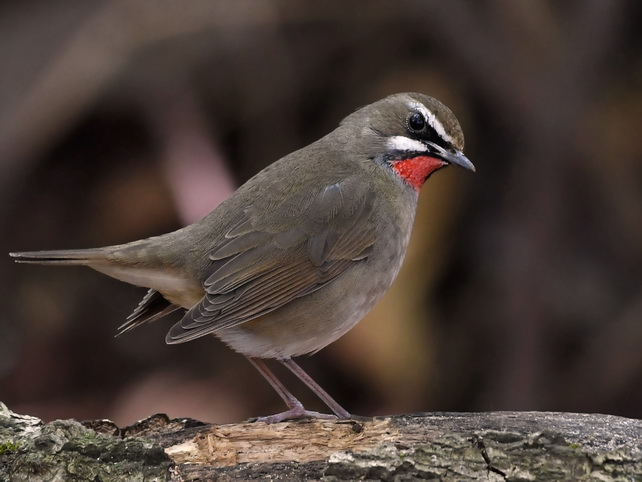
point(432, 120)
point(402, 143)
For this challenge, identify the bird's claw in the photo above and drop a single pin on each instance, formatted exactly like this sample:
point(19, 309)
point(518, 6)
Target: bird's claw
point(293, 414)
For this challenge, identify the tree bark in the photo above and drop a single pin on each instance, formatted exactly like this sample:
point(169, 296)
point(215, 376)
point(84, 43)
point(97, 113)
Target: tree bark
point(495, 446)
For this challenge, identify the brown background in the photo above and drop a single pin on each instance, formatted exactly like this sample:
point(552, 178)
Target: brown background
point(522, 286)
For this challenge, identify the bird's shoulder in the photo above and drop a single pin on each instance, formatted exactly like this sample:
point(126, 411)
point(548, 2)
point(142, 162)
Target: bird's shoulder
point(323, 212)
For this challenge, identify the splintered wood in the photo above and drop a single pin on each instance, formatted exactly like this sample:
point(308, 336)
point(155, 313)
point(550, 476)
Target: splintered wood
point(297, 441)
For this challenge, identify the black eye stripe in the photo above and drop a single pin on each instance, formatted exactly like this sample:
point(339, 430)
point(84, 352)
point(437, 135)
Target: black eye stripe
point(419, 128)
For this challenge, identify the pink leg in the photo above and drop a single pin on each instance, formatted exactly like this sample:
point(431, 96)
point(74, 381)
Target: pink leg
point(338, 410)
point(295, 407)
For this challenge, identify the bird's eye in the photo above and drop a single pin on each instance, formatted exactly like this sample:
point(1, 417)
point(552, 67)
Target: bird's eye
point(416, 122)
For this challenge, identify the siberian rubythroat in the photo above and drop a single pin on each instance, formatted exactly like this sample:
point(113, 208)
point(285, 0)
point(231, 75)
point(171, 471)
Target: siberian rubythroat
point(300, 252)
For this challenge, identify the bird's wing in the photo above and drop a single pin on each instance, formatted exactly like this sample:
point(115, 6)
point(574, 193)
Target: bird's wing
point(275, 254)
point(152, 307)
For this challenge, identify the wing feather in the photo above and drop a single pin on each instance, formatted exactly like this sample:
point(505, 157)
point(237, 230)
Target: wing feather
point(152, 307)
point(270, 258)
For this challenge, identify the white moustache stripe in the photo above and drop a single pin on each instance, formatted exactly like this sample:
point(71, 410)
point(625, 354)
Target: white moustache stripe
point(402, 143)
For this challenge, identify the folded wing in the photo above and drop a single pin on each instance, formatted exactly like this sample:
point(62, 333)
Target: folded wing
point(276, 254)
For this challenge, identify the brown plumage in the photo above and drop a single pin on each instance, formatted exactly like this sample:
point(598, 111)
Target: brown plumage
point(299, 253)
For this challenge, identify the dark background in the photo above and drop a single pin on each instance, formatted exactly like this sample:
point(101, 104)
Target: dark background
point(522, 286)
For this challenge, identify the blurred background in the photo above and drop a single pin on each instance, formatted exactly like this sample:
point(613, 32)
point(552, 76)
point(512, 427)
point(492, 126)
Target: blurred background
point(522, 286)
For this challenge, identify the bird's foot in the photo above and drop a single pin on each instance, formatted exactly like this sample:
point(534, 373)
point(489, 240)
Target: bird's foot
point(294, 413)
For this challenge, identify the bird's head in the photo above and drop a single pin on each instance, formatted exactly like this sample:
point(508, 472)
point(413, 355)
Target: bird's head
point(413, 134)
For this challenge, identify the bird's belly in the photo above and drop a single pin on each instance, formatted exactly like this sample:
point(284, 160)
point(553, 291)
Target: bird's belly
point(309, 323)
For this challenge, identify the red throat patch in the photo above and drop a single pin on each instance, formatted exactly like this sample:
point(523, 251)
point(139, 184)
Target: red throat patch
point(416, 170)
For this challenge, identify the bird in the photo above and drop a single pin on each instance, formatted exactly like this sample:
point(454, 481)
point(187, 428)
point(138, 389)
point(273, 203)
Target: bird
point(300, 252)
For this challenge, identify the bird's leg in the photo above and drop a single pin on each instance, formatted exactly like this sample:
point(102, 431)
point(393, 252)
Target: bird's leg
point(289, 399)
point(295, 407)
point(338, 410)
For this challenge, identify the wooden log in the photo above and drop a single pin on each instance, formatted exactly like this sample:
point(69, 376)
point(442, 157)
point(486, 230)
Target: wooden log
point(494, 446)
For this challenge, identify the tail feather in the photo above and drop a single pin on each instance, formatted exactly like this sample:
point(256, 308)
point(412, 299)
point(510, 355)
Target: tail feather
point(80, 257)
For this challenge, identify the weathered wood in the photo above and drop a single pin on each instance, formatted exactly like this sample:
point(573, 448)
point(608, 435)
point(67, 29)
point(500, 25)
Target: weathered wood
point(496, 446)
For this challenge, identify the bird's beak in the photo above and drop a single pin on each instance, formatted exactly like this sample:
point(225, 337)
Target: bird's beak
point(456, 157)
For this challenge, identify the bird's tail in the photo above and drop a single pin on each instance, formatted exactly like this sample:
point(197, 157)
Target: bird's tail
point(80, 257)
